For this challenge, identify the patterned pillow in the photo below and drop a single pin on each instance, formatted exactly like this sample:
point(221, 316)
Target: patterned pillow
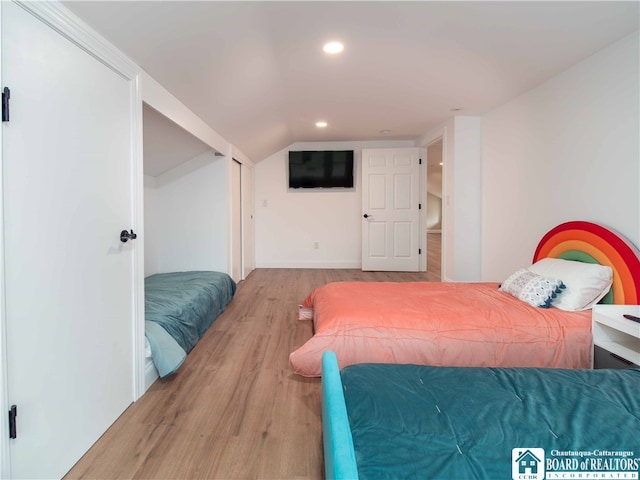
point(532, 288)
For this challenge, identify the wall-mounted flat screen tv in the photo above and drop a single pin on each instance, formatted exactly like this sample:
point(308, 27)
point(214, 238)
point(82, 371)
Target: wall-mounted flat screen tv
point(321, 169)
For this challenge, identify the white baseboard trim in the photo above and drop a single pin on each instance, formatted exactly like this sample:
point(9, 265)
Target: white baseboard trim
point(150, 374)
point(335, 265)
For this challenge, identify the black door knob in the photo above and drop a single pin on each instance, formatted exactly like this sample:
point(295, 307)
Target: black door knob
point(366, 215)
point(124, 236)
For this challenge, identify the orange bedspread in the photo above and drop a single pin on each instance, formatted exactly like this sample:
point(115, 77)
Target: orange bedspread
point(454, 324)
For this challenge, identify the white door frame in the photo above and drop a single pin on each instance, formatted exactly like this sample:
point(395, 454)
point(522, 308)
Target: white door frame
point(247, 191)
point(426, 141)
point(64, 22)
point(422, 217)
point(236, 234)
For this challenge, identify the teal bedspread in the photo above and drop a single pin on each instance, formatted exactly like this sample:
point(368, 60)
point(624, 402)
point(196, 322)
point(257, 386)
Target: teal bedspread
point(443, 423)
point(183, 305)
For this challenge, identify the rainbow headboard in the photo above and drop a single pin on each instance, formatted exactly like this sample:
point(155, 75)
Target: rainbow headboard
point(592, 243)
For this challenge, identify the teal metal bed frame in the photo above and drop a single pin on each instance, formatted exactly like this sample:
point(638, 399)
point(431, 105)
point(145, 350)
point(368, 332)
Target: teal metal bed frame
point(339, 454)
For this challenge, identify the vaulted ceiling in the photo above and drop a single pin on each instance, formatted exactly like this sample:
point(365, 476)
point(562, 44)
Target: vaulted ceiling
point(256, 72)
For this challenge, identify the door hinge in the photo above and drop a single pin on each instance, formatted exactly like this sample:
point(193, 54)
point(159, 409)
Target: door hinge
point(419, 251)
point(419, 161)
point(13, 413)
point(6, 95)
point(419, 206)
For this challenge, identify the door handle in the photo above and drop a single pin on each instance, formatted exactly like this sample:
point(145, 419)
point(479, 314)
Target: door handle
point(366, 215)
point(124, 236)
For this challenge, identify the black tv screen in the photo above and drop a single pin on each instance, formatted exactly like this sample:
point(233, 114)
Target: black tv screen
point(321, 169)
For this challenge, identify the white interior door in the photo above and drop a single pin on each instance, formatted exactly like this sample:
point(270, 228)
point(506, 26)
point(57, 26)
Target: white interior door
point(248, 248)
point(390, 203)
point(67, 171)
point(236, 220)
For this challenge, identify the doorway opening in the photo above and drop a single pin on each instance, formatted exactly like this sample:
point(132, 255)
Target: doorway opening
point(434, 210)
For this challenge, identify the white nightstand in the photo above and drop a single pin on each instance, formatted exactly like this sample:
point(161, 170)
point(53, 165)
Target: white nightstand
point(616, 340)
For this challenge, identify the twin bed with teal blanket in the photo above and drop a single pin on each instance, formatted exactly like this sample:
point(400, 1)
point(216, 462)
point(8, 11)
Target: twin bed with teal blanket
point(179, 308)
point(442, 423)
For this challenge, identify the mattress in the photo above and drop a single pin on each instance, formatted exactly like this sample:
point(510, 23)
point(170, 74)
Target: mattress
point(442, 324)
point(410, 421)
point(179, 308)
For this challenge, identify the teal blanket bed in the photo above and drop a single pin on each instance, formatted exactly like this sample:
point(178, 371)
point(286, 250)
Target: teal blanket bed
point(179, 308)
point(443, 423)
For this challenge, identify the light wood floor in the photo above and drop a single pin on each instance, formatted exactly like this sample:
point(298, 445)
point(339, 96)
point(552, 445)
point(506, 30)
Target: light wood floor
point(234, 410)
point(434, 254)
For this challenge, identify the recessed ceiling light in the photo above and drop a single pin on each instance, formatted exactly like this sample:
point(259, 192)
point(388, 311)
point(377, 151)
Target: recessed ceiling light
point(385, 132)
point(333, 47)
point(321, 124)
point(455, 109)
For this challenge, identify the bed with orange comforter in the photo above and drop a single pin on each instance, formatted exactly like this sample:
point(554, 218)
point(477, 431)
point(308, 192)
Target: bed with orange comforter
point(476, 324)
point(427, 323)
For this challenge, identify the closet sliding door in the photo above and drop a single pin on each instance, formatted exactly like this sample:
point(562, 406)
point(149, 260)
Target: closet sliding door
point(67, 195)
point(236, 220)
point(248, 229)
point(242, 236)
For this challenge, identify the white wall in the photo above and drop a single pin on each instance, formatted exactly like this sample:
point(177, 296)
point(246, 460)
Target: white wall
point(152, 218)
point(186, 216)
point(567, 150)
point(168, 105)
point(461, 196)
point(288, 223)
point(465, 192)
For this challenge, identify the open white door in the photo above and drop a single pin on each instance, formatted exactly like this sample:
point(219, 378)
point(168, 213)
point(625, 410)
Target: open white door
point(236, 220)
point(390, 205)
point(248, 254)
point(67, 181)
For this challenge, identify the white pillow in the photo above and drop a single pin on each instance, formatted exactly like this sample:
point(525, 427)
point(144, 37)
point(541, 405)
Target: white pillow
point(586, 283)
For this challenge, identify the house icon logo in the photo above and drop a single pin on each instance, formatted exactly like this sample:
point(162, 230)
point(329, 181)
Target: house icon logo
point(527, 464)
